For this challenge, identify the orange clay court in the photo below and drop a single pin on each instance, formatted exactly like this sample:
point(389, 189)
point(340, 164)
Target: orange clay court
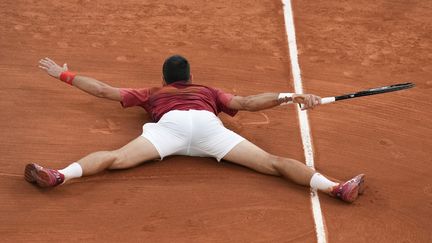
point(240, 47)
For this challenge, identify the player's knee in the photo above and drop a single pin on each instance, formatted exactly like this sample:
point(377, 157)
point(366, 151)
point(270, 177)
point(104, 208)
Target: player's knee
point(276, 162)
point(119, 160)
point(270, 167)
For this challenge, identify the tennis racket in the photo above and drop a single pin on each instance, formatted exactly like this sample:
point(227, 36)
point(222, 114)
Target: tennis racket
point(374, 91)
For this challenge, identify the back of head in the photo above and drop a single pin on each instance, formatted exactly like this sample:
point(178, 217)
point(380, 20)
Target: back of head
point(176, 68)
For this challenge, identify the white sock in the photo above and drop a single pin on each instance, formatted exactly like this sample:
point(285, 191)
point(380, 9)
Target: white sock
point(321, 183)
point(74, 170)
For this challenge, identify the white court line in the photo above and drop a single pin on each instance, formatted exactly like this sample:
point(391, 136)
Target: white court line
point(303, 119)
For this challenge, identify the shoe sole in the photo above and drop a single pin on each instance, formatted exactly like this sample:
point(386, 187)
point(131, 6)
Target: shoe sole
point(33, 175)
point(28, 173)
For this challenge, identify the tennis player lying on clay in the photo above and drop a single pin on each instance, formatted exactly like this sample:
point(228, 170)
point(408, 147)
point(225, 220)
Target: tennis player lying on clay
point(185, 122)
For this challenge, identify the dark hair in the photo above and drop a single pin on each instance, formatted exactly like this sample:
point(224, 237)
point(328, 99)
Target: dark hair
point(176, 68)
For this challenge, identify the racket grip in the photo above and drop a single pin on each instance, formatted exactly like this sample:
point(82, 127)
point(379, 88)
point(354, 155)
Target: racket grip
point(327, 100)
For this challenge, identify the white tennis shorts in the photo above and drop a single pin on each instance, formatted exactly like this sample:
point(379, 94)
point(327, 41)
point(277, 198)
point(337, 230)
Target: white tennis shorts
point(192, 132)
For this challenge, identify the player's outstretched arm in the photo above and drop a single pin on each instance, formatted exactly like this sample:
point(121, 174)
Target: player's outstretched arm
point(86, 84)
point(269, 100)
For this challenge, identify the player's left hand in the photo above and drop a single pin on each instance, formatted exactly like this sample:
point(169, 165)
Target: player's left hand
point(51, 67)
point(308, 101)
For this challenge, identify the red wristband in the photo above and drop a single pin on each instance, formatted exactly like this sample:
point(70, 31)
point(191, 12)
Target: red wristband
point(67, 77)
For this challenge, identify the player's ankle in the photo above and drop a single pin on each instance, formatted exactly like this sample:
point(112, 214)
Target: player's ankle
point(72, 171)
point(321, 183)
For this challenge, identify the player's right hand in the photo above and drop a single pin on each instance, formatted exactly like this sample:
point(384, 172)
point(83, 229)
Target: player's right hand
point(307, 101)
point(51, 67)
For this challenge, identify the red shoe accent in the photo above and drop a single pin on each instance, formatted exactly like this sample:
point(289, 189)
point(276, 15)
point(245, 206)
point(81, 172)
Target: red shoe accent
point(361, 186)
point(349, 190)
point(35, 173)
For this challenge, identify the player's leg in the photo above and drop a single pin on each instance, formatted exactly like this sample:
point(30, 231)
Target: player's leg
point(132, 154)
point(248, 154)
point(137, 151)
point(251, 156)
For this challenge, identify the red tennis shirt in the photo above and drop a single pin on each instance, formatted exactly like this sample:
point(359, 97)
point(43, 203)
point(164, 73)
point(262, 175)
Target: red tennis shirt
point(178, 96)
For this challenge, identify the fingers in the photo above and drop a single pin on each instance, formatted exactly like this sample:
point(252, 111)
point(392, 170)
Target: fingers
point(51, 67)
point(310, 102)
point(45, 63)
point(51, 61)
point(317, 100)
point(307, 101)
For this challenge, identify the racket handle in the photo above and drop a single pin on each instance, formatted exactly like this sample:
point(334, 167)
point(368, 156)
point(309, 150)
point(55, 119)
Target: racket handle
point(327, 100)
